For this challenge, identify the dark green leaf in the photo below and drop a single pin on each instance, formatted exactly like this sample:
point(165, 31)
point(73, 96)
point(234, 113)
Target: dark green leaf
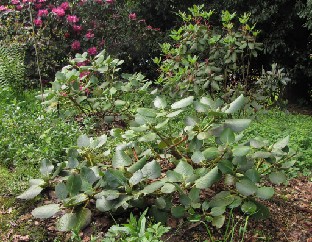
point(73, 184)
point(246, 187)
point(227, 136)
point(209, 179)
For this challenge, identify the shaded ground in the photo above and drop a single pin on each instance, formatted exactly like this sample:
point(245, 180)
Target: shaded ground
point(291, 220)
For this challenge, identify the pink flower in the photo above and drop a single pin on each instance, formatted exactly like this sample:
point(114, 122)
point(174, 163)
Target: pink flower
point(72, 19)
point(75, 45)
point(58, 11)
point(15, 2)
point(83, 74)
point(19, 7)
point(43, 12)
point(89, 35)
point(38, 22)
point(38, 6)
point(149, 27)
point(66, 35)
point(109, 1)
point(102, 43)
point(41, 1)
point(92, 51)
point(77, 28)
point(3, 8)
point(65, 6)
point(83, 63)
point(132, 16)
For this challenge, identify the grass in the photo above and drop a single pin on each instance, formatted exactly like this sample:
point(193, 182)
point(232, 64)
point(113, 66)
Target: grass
point(275, 124)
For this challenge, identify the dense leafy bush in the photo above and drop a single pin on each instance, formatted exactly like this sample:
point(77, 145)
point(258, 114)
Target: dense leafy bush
point(206, 59)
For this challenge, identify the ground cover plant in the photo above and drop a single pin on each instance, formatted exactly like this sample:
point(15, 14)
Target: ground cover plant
point(181, 150)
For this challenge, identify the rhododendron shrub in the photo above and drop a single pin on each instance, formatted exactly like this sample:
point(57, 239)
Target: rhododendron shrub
point(64, 28)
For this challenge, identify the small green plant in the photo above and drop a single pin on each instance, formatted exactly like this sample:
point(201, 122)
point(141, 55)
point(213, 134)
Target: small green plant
point(272, 85)
point(136, 230)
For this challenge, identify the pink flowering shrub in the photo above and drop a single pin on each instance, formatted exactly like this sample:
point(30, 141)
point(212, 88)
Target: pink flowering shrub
point(65, 28)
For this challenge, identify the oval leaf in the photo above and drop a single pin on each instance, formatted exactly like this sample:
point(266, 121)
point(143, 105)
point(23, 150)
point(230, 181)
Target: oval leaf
point(46, 211)
point(183, 103)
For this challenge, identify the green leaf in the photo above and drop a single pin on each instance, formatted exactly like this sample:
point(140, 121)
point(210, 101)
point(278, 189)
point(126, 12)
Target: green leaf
point(184, 169)
point(83, 219)
point(203, 135)
point(88, 175)
point(281, 143)
point(237, 125)
point(174, 114)
point(151, 170)
point(241, 150)
point(36, 182)
point(222, 199)
point(31, 192)
point(262, 211)
point(277, 177)
point(226, 167)
point(99, 141)
point(227, 136)
point(198, 157)
point(183, 103)
point(211, 153)
point(152, 187)
point(148, 137)
point(288, 164)
point(160, 203)
point(138, 165)
point(174, 176)
point(83, 141)
point(246, 187)
point(72, 163)
point(160, 103)
point(236, 202)
point(121, 159)
point(162, 124)
point(75, 200)
point(249, 207)
point(178, 211)
point(217, 211)
point(136, 177)
point(73, 184)
point(253, 175)
point(236, 104)
point(46, 167)
point(194, 194)
point(104, 205)
point(61, 191)
point(67, 222)
point(265, 192)
point(147, 112)
point(168, 188)
point(46, 211)
point(218, 221)
point(209, 179)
